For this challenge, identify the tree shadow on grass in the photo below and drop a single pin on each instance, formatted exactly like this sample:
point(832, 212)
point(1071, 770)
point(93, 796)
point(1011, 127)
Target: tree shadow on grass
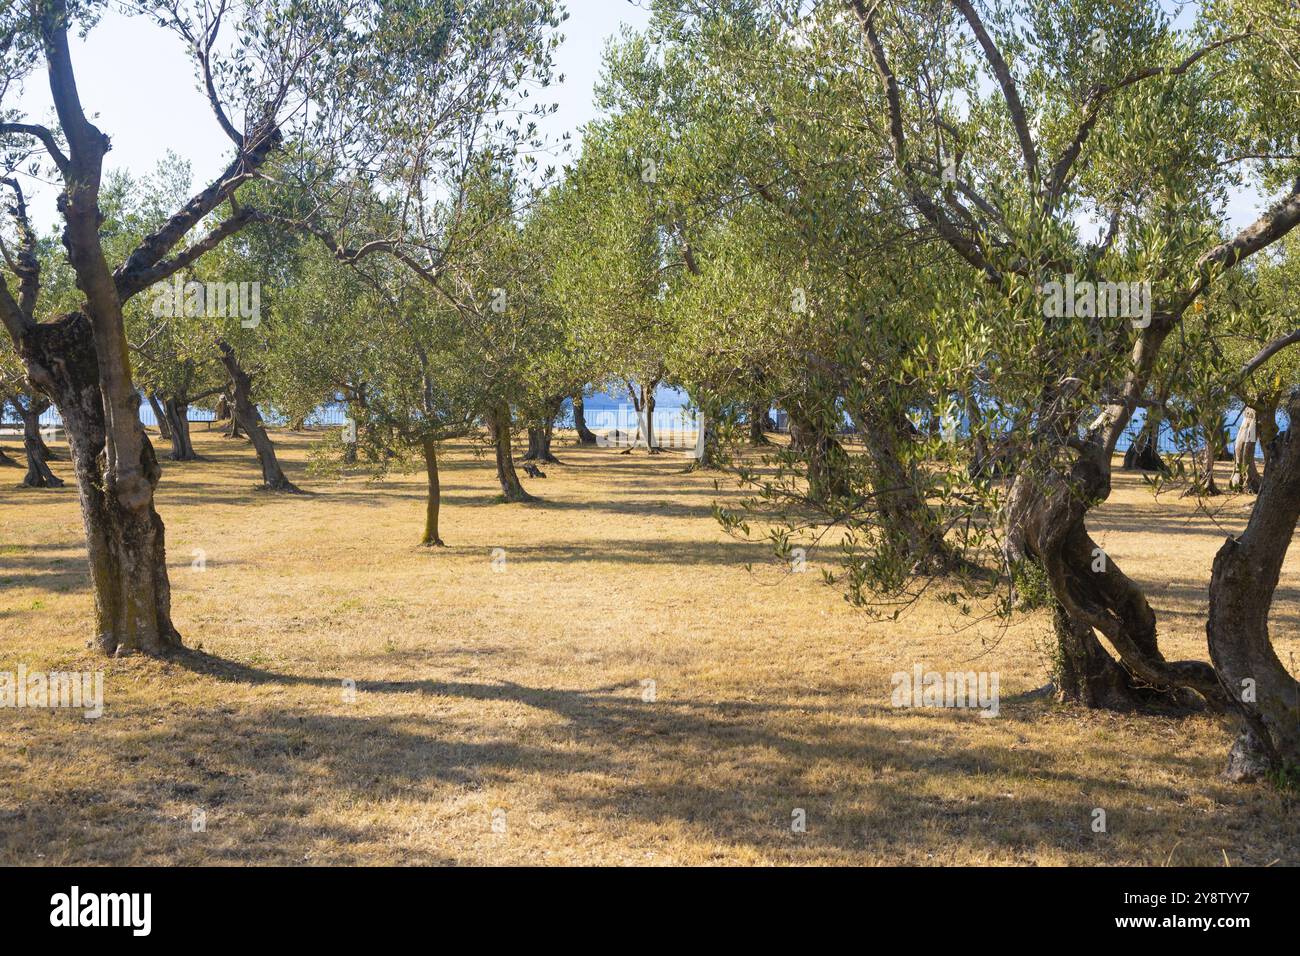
point(734, 771)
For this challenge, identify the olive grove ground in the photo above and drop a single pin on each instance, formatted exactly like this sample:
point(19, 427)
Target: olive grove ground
point(503, 709)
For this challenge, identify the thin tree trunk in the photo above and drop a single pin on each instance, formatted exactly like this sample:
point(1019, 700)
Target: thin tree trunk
point(757, 423)
point(247, 415)
point(431, 539)
point(1210, 455)
point(708, 446)
point(643, 402)
point(1266, 426)
point(511, 488)
point(164, 429)
point(648, 403)
point(585, 435)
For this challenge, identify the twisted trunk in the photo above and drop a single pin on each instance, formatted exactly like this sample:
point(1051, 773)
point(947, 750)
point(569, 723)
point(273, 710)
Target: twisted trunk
point(250, 419)
point(1045, 523)
point(644, 404)
point(827, 462)
point(1144, 454)
point(539, 435)
point(1245, 473)
point(907, 521)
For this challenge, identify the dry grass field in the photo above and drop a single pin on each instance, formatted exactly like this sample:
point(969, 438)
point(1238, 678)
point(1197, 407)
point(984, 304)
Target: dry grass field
point(501, 713)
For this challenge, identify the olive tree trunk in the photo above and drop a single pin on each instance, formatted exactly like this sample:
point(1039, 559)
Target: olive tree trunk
point(38, 453)
point(1245, 473)
point(1242, 583)
point(250, 419)
point(511, 488)
point(124, 533)
point(432, 506)
point(585, 435)
point(177, 414)
point(1045, 519)
point(758, 424)
point(164, 429)
point(540, 433)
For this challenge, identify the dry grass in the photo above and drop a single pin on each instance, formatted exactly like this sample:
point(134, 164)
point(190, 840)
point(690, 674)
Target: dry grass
point(521, 691)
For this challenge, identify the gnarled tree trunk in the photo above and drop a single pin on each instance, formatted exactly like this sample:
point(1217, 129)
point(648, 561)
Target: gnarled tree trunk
point(1245, 473)
point(247, 415)
point(1144, 453)
point(124, 534)
point(1045, 522)
point(539, 435)
point(1245, 575)
point(827, 462)
point(904, 516)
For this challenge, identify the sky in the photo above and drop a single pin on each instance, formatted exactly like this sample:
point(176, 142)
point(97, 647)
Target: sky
point(125, 57)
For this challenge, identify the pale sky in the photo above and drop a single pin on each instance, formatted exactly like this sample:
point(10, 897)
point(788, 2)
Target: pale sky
point(139, 81)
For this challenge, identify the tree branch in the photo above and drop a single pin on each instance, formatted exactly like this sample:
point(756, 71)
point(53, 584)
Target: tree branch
point(46, 137)
point(1008, 84)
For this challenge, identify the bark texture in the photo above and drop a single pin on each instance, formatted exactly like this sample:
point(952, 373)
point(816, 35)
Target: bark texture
point(1244, 578)
point(124, 538)
point(1045, 522)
